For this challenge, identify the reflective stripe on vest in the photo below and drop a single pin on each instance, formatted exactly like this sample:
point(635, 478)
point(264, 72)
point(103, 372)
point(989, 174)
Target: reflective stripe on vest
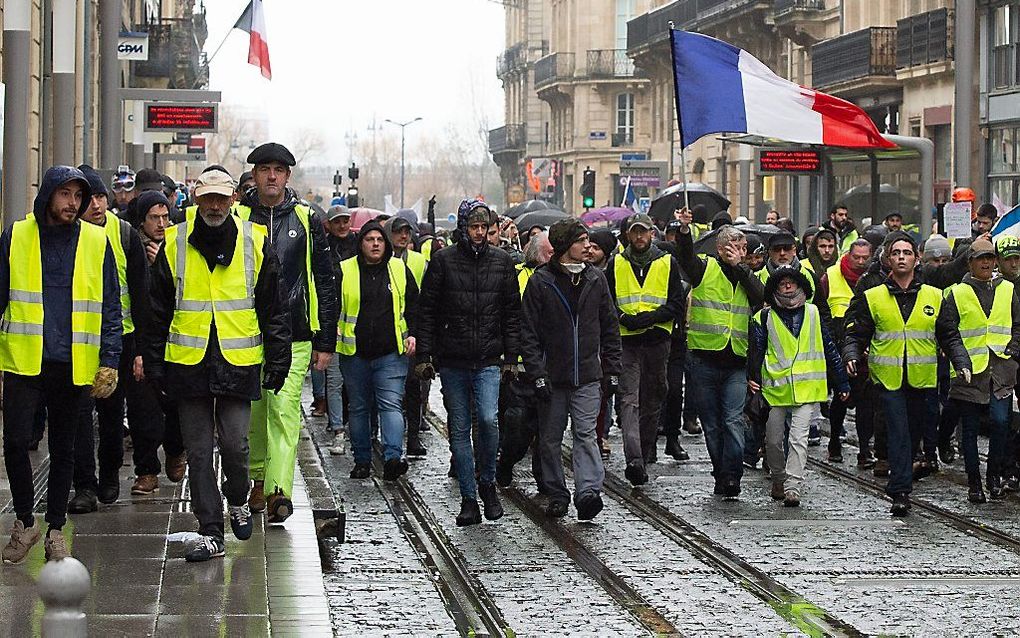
point(793, 372)
point(719, 313)
point(303, 215)
point(896, 342)
point(416, 263)
point(350, 303)
point(225, 296)
point(632, 297)
point(840, 292)
point(118, 232)
point(21, 328)
point(982, 333)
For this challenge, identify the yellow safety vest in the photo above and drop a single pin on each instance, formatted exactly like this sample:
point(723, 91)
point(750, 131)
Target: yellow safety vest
point(719, 314)
point(426, 249)
point(632, 297)
point(804, 267)
point(416, 263)
point(840, 292)
point(896, 342)
point(225, 296)
point(350, 303)
point(844, 246)
point(982, 333)
point(21, 328)
point(793, 372)
point(524, 274)
point(303, 215)
point(118, 232)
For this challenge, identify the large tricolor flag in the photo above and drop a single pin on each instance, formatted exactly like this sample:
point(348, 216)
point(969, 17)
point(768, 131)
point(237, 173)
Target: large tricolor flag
point(253, 21)
point(1008, 224)
point(723, 89)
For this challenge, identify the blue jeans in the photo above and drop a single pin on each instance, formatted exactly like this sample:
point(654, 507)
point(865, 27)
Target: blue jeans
point(908, 412)
point(381, 378)
point(318, 383)
point(460, 388)
point(719, 396)
point(334, 395)
point(999, 413)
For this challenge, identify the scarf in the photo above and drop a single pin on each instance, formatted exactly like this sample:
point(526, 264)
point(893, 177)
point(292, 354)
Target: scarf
point(641, 259)
point(215, 244)
point(851, 275)
point(790, 301)
point(771, 265)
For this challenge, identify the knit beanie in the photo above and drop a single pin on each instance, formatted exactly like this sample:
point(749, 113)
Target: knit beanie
point(95, 181)
point(563, 233)
point(936, 247)
point(604, 239)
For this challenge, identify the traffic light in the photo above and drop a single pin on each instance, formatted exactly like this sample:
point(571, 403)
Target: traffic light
point(588, 189)
point(352, 196)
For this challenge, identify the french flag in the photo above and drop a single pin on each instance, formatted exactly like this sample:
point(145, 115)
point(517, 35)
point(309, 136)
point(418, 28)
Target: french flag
point(253, 21)
point(723, 89)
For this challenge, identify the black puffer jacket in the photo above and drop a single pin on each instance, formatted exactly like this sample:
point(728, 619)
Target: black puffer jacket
point(469, 308)
point(290, 243)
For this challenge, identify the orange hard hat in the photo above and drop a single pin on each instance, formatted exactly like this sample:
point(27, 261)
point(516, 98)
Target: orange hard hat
point(964, 194)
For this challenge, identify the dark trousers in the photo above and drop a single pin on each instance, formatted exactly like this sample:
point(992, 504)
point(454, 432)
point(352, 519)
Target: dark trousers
point(154, 421)
point(998, 412)
point(229, 418)
point(518, 424)
point(908, 411)
point(862, 397)
point(412, 404)
point(671, 416)
point(642, 389)
point(53, 388)
point(110, 417)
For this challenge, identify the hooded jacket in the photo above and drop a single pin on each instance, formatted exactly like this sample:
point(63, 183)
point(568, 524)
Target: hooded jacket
point(58, 245)
point(214, 375)
point(469, 308)
point(289, 241)
point(570, 333)
point(373, 334)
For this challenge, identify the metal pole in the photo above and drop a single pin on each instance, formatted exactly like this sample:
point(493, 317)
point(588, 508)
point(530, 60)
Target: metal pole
point(111, 130)
point(16, 73)
point(402, 127)
point(926, 148)
point(65, 14)
point(86, 71)
point(963, 115)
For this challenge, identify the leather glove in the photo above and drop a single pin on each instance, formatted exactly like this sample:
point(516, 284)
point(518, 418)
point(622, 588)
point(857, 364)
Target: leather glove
point(424, 371)
point(542, 390)
point(644, 319)
point(610, 385)
point(105, 383)
point(627, 321)
point(273, 380)
point(508, 372)
point(965, 373)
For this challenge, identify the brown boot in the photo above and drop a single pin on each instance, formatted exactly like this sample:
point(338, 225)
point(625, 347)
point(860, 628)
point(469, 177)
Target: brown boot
point(319, 407)
point(278, 507)
point(175, 466)
point(777, 493)
point(145, 485)
point(257, 497)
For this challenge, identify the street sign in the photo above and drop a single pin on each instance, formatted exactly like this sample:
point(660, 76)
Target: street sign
point(196, 144)
point(542, 167)
point(633, 157)
point(785, 161)
point(171, 117)
point(596, 136)
point(133, 45)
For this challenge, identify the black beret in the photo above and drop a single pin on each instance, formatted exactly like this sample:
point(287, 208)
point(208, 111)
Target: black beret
point(271, 152)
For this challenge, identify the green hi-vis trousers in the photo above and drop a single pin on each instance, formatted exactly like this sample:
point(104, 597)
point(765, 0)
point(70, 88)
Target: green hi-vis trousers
point(276, 426)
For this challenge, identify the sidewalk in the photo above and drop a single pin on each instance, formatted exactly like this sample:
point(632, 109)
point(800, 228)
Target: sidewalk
point(141, 585)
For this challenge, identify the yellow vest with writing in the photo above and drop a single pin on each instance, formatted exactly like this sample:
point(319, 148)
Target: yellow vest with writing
point(896, 342)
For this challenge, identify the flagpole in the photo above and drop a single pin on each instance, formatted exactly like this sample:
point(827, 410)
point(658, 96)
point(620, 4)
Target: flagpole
point(229, 31)
point(679, 125)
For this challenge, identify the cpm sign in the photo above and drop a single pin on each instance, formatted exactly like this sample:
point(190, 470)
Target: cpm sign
point(133, 45)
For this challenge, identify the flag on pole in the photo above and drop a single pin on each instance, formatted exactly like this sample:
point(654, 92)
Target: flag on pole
point(723, 89)
point(1008, 224)
point(630, 199)
point(253, 21)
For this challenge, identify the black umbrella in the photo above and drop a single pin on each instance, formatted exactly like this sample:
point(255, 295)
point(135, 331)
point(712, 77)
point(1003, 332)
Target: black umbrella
point(539, 218)
point(706, 243)
point(529, 206)
point(672, 198)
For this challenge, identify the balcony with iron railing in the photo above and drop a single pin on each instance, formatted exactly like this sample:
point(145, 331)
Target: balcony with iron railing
point(1005, 65)
point(609, 63)
point(924, 39)
point(861, 57)
point(508, 139)
point(513, 59)
point(553, 68)
point(175, 53)
point(789, 7)
point(652, 27)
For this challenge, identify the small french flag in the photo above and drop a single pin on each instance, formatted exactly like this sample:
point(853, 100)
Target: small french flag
point(723, 89)
point(253, 21)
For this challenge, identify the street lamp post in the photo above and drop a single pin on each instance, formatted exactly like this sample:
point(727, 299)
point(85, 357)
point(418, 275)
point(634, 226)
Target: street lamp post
point(402, 126)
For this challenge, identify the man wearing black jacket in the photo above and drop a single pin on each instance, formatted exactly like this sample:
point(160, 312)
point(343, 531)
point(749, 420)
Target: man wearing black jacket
point(650, 297)
point(469, 325)
point(570, 341)
point(219, 336)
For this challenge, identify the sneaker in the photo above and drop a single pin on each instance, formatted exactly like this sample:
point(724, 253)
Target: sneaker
point(416, 450)
point(361, 471)
point(636, 473)
point(751, 462)
point(257, 497)
point(777, 493)
point(731, 489)
point(835, 458)
point(881, 468)
point(241, 522)
point(206, 548)
point(1011, 484)
point(278, 508)
point(175, 467)
point(947, 453)
point(995, 491)
point(556, 509)
point(604, 449)
point(337, 447)
point(900, 505)
point(55, 545)
point(791, 499)
point(814, 438)
point(394, 469)
point(588, 506)
point(22, 540)
point(469, 513)
point(84, 502)
point(674, 449)
point(490, 500)
point(145, 485)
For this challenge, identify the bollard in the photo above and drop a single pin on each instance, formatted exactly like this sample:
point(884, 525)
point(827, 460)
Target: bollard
point(63, 587)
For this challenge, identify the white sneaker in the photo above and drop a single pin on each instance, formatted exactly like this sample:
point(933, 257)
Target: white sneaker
point(338, 447)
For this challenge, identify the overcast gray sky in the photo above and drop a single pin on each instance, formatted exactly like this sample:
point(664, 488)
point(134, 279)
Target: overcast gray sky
point(339, 63)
